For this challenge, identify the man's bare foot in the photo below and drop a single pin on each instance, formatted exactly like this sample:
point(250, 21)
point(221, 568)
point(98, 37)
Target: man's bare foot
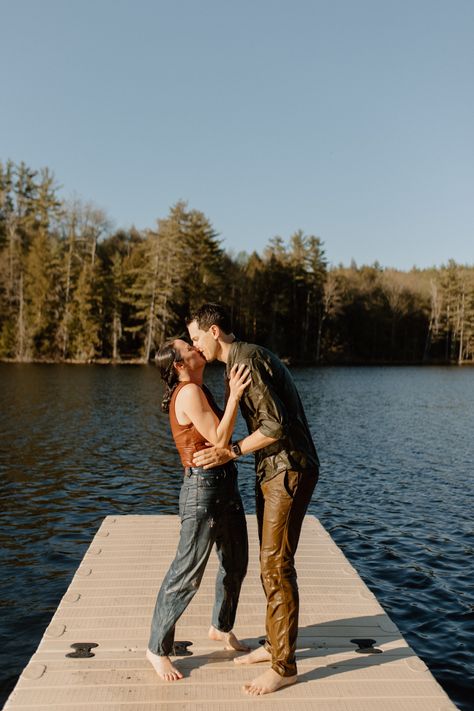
point(268, 682)
point(163, 667)
point(229, 639)
point(257, 655)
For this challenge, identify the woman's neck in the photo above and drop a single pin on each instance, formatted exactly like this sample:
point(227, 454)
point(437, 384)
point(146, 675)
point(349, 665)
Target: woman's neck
point(196, 378)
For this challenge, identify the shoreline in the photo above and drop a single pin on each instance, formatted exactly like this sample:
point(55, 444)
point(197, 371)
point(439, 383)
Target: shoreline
point(287, 361)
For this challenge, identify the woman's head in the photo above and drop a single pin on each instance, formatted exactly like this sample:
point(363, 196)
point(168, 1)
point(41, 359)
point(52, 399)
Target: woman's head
point(165, 359)
point(176, 360)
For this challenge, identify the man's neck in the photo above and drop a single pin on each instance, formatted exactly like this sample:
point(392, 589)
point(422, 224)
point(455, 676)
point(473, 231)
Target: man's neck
point(225, 343)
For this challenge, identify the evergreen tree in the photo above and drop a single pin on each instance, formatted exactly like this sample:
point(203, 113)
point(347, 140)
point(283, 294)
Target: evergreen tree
point(113, 253)
point(41, 296)
point(200, 256)
point(70, 290)
point(42, 270)
point(142, 294)
point(85, 317)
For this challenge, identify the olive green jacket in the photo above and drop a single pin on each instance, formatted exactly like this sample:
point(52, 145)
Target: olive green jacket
point(272, 405)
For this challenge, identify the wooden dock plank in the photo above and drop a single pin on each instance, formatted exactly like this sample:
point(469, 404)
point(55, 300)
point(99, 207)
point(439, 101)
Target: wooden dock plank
point(111, 599)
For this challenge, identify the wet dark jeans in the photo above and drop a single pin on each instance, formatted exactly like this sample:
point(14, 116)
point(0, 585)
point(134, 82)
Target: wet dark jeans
point(211, 512)
point(281, 507)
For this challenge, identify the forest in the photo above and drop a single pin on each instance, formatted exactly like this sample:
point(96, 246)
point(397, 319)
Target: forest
point(74, 289)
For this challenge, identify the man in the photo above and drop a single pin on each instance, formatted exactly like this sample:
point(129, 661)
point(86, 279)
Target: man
point(287, 468)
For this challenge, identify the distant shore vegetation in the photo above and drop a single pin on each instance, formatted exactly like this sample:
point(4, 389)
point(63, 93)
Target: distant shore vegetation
point(72, 289)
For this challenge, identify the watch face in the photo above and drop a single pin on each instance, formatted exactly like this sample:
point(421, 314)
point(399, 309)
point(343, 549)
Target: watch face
point(236, 449)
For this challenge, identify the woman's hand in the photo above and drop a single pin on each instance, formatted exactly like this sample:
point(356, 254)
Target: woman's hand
point(239, 379)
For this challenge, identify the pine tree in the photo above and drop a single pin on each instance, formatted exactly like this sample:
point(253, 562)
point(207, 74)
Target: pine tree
point(41, 295)
point(143, 274)
point(85, 318)
point(21, 229)
point(42, 270)
point(7, 218)
point(69, 273)
point(315, 280)
point(199, 256)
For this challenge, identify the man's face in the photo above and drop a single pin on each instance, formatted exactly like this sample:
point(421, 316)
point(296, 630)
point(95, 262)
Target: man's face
point(204, 341)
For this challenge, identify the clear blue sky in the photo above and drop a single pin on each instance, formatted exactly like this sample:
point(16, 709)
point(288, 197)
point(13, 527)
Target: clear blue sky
point(350, 119)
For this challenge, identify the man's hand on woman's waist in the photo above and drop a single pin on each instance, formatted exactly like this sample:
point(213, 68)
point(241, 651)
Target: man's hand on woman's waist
point(213, 457)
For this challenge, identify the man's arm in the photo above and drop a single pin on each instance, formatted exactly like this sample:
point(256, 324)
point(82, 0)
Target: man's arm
point(216, 456)
point(271, 416)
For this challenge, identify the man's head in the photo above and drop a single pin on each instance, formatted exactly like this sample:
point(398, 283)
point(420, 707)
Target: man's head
point(209, 328)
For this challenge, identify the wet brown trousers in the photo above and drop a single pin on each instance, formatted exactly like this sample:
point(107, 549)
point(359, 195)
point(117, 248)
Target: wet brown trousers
point(281, 506)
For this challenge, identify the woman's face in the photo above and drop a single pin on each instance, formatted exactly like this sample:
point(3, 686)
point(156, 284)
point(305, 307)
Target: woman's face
point(191, 358)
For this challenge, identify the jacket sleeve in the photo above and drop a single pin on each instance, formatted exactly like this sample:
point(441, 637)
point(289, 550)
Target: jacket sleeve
point(268, 411)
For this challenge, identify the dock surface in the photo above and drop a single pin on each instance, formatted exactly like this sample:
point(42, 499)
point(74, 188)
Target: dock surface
point(111, 599)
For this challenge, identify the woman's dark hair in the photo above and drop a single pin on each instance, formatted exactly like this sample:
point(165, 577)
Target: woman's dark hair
point(165, 359)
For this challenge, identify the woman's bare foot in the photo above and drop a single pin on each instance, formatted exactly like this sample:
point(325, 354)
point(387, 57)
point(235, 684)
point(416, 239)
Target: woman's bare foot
point(229, 639)
point(268, 682)
point(163, 667)
point(257, 655)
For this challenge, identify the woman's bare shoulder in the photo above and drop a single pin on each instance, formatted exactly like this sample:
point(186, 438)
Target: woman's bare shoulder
point(189, 393)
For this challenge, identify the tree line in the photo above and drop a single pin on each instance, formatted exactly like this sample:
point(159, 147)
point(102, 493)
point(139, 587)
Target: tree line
point(74, 289)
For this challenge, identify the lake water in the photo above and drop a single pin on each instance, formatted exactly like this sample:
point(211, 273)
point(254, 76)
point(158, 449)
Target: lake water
point(396, 491)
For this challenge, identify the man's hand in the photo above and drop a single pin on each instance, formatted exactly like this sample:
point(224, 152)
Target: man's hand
point(213, 457)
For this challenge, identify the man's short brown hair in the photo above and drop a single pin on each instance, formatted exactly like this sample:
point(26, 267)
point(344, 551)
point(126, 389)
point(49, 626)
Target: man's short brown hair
point(209, 315)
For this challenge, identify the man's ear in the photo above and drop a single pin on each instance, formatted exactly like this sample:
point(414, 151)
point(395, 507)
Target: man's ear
point(215, 331)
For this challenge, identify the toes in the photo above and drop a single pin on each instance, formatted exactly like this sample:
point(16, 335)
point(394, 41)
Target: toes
point(251, 690)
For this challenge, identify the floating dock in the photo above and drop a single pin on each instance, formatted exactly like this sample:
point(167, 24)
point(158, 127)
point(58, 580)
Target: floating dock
point(351, 656)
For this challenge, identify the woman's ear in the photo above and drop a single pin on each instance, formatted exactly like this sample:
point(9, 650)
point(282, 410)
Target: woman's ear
point(178, 365)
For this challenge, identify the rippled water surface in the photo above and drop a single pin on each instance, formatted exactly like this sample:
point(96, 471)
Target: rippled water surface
point(396, 491)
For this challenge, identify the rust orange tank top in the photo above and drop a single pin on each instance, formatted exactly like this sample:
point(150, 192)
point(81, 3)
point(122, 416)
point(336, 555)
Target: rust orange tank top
point(187, 439)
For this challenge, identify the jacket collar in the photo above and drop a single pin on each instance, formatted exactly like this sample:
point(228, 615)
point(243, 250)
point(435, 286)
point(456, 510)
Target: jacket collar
point(233, 351)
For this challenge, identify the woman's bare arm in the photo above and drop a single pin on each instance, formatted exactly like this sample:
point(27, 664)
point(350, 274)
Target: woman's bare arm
point(192, 403)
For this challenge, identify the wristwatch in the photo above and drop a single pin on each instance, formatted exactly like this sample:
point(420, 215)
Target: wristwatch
point(236, 449)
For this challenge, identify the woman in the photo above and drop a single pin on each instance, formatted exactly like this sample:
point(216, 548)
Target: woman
point(210, 506)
